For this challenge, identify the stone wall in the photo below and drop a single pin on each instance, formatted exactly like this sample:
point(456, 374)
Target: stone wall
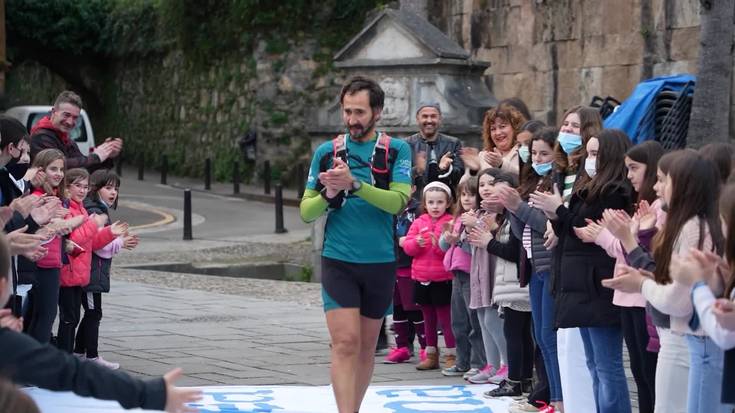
point(551, 53)
point(165, 104)
point(558, 53)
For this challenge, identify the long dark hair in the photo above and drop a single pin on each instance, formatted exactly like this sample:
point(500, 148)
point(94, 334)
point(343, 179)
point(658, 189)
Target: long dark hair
point(590, 124)
point(468, 185)
point(695, 190)
point(721, 154)
point(517, 104)
point(611, 171)
point(529, 178)
point(101, 178)
point(648, 153)
point(727, 210)
point(498, 176)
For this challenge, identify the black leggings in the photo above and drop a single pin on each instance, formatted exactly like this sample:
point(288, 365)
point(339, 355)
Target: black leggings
point(642, 361)
point(42, 301)
point(88, 333)
point(70, 302)
point(517, 331)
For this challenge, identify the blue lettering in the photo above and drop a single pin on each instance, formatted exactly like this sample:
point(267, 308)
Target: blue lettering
point(434, 406)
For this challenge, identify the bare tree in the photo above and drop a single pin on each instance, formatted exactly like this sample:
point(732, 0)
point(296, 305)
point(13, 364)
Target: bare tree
point(710, 117)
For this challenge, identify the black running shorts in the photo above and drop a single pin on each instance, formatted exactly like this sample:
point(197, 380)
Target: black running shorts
point(368, 287)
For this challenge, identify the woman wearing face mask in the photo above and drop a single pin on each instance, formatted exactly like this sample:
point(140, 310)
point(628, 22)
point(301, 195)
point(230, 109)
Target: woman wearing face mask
point(578, 125)
point(15, 159)
point(580, 267)
point(524, 141)
point(641, 162)
point(529, 224)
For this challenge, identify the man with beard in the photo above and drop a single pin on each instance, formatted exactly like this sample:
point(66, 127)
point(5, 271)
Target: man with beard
point(436, 156)
point(52, 131)
point(361, 180)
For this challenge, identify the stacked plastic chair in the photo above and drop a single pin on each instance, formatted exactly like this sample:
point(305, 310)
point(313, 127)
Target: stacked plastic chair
point(672, 117)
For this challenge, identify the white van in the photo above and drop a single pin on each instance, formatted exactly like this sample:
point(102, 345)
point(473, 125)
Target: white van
point(82, 134)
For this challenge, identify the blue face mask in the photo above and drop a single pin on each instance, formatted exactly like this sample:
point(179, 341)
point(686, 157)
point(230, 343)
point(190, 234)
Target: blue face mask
point(569, 141)
point(542, 169)
point(523, 153)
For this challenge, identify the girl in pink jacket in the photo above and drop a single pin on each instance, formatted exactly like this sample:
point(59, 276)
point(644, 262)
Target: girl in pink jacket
point(433, 283)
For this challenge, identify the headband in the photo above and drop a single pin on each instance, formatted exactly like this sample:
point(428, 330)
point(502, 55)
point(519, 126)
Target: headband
point(440, 185)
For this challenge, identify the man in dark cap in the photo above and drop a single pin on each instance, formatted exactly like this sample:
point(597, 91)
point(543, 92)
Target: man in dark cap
point(435, 155)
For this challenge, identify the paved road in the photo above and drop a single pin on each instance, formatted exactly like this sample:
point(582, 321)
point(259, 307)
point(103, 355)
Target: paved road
point(216, 217)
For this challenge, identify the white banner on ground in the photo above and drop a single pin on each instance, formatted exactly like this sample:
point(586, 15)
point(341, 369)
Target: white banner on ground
point(300, 399)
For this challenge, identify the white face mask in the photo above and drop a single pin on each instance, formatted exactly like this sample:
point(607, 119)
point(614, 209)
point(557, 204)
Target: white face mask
point(590, 166)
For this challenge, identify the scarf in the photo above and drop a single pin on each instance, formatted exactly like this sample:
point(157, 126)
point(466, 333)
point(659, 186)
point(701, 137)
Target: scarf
point(45, 123)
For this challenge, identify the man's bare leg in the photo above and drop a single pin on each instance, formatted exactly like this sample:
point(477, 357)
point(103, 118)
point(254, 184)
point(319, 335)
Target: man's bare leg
point(369, 331)
point(344, 329)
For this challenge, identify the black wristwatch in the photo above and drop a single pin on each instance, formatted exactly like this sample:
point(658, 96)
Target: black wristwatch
point(335, 202)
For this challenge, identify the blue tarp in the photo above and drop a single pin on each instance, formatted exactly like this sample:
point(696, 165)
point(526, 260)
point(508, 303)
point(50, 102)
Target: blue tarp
point(629, 115)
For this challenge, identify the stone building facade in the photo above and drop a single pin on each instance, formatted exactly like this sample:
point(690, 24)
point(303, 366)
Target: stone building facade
point(551, 53)
point(558, 53)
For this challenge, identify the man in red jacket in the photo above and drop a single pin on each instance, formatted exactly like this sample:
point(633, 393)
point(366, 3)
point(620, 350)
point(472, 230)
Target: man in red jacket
point(52, 131)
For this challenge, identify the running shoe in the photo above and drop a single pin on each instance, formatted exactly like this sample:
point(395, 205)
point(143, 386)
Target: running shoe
point(483, 376)
point(454, 371)
point(500, 375)
point(397, 355)
point(471, 372)
point(102, 362)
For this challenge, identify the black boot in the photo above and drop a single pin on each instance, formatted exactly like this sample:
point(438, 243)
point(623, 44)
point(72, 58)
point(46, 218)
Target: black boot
point(506, 388)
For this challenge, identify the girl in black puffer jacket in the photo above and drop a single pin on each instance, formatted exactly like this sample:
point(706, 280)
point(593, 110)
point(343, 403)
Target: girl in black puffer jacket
point(103, 190)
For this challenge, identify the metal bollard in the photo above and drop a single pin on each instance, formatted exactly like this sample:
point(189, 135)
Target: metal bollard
point(267, 177)
point(164, 169)
point(301, 178)
point(279, 210)
point(207, 174)
point(236, 177)
point(187, 215)
point(141, 167)
point(118, 165)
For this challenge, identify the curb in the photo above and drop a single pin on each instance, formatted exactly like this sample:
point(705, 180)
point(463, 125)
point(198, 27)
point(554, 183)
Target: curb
point(270, 199)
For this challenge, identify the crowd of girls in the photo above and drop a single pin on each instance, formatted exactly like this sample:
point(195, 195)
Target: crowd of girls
point(564, 245)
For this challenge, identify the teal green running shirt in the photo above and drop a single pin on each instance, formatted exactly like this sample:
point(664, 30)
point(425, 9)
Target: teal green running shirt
point(361, 231)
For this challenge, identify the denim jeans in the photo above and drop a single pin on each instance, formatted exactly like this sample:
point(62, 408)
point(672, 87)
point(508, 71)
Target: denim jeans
point(705, 376)
point(466, 325)
point(672, 373)
point(542, 311)
point(603, 347)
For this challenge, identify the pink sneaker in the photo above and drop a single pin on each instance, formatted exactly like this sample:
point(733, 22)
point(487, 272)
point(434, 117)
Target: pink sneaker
point(422, 354)
point(397, 355)
point(500, 375)
point(483, 375)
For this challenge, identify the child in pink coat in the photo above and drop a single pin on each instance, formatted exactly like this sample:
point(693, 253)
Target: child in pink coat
point(433, 283)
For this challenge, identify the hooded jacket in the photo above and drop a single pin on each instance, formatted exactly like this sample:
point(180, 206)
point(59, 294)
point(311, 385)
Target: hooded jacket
point(99, 277)
point(44, 135)
point(89, 238)
point(428, 261)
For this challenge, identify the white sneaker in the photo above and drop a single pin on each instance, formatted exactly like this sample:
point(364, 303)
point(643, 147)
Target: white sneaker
point(102, 362)
point(80, 356)
point(471, 372)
